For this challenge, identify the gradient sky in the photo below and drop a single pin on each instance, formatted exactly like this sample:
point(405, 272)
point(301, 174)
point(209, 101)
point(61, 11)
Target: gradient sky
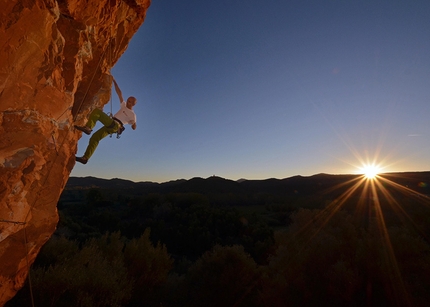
point(272, 89)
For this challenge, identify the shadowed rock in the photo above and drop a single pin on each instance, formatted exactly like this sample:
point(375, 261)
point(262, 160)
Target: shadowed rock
point(55, 60)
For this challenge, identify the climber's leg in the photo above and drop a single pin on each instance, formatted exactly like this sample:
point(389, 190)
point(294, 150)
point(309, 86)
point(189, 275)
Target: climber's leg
point(98, 115)
point(98, 136)
point(110, 126)
point(94, 141)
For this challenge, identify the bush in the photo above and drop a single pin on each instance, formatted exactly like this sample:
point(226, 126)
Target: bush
point(148, 267)
point(332, 260)
point(78, 277)
point(224, 276)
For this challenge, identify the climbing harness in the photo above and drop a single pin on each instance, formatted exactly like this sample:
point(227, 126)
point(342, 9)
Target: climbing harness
point(120, 129)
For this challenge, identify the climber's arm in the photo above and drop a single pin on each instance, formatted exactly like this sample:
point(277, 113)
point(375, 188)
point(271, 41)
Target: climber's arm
point(118, 91)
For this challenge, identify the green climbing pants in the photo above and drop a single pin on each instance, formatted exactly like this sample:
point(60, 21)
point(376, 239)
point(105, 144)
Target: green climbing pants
point(109, 126)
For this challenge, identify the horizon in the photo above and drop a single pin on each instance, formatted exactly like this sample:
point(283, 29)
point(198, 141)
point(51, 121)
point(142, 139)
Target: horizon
point(246, 179)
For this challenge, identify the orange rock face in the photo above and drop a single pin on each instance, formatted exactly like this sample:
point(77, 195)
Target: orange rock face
point(55, 59)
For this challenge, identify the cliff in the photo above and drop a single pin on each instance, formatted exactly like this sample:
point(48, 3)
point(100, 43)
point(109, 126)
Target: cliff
point(55, 60)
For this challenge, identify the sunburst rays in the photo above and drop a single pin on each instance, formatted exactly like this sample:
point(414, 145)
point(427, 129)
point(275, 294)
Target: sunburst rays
point(371, 196)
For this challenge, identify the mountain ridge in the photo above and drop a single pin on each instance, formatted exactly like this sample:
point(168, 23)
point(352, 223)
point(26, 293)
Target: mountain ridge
point(418, 181)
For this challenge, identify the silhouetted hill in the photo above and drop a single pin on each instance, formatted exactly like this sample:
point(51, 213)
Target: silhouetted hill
point(90, 182)
point(297, 185)
point(211, 185)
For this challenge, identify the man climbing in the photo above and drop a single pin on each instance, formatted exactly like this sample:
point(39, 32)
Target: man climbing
point(124, 116)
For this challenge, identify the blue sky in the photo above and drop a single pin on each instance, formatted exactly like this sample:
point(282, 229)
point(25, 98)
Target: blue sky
point(272, 89)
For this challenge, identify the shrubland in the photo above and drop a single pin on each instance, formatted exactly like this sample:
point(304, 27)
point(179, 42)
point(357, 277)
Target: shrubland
point(182, 249)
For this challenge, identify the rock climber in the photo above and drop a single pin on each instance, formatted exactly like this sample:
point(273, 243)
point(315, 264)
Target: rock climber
point(111, 125)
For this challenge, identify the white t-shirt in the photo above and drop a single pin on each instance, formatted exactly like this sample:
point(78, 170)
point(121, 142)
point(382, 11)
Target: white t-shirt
point(125, 115)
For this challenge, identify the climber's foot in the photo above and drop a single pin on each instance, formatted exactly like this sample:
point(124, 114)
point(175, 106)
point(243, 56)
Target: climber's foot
point(83, 160)
point(84, 129)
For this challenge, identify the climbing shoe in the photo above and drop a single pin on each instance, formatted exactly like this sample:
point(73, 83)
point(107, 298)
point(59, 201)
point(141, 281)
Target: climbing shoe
point(84, 129)
point(83, 160)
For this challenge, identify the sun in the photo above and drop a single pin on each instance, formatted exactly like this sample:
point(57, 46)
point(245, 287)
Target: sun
point(370, 171)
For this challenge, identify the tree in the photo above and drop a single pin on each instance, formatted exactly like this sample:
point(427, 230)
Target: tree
point(93, 196)
point(225, 276)
point(88, 277)
point(148, 266)
point(337, 261)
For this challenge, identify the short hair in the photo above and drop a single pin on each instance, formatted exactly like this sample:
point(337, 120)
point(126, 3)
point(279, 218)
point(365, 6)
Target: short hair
point(132, 98)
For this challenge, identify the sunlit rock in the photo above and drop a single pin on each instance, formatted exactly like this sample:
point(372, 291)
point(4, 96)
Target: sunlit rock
point(55, 60)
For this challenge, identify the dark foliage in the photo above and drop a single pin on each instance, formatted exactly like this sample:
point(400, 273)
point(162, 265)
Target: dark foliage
point(215, 242)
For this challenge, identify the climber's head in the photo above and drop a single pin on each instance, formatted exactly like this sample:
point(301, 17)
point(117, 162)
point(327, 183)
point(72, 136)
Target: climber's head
point(131, 102)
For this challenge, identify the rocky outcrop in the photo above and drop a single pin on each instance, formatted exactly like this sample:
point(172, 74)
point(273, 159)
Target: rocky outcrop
point(55, 59)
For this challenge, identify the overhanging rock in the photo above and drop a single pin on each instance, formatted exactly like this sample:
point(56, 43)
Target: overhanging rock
point(53, 72)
